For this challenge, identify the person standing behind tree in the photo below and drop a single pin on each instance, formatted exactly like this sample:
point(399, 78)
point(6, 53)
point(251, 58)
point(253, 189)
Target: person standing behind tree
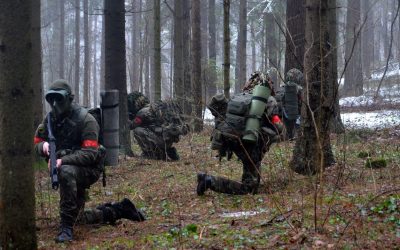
point(291, 101)
point(79, 162)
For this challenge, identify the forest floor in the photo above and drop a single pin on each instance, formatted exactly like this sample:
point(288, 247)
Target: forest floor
point(354, 208)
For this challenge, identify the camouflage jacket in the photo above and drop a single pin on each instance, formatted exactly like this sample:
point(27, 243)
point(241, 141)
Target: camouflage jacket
point(76, 137)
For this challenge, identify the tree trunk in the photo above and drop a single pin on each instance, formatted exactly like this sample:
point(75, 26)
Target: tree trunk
point(61, 55)
point(115, 64)
point(135, 45)
point(178, 53)
point(96, 86)
point(17, 189)
point(196, 67)
point(253, 48)
point(367, 42)
point(204, 48)
point(312, 149)
point(227, 45)
point(295, 22)
point(353, 78)
point(187, 108)
point(37, 79)
point(212, 51)
point(271, 47)
point(156, 67)
point(240, 69)
point(77, 49)
point(86, 78)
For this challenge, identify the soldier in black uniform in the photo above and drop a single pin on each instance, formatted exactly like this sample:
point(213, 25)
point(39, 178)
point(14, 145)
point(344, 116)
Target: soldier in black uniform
point(250, 155)
point(79, 162)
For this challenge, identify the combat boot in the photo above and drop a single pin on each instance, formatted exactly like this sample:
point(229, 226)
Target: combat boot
point(173, 154)
point(127, 210)
point(203, 183)
point(65, 234)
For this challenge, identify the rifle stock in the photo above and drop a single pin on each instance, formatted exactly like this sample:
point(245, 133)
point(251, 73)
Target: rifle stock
point(53, 156)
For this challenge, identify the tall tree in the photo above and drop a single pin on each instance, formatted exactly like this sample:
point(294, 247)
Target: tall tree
point(271, 46)
point(96, 85)
point(135, 42)
point(295, 23)
point(212, 51)
point(17, 190)
point(227, 48)
point(115, 64)
point(367, 42)
point(196, 67)
point(37, 79)
point(353, 77)
point(77, 47)
point(86, 63)
point(156, 67)
point(61, 55)
point(240, 69)
point(312, 149)
point(187, 84)
point(178, 52)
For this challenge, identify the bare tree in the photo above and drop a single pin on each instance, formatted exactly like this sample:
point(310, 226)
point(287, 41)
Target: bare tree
point(312, 149)
point(156, 72)
point(77, 48)
point(295, 23)
point(135, 42)
point(196, 67)
point(178, 52)
point(353, 78)
point(227, 47)
point(240, 69)
point(115, 64)
point(212, 51)
point(86, 64)
point(17, 190)
point(37, 79)
point(61, 55)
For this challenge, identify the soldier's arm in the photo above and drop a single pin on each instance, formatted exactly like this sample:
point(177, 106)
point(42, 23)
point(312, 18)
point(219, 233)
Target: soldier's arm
point(87, 155)
point(41, 136)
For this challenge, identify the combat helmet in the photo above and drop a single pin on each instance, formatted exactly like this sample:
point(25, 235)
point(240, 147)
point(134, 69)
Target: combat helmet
point(255, 79)
point(294, 75)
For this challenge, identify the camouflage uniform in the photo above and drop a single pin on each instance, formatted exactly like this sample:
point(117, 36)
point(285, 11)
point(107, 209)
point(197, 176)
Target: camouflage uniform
point(155, 135)
point(250, 155)
point(291, 108)
point(76, 133)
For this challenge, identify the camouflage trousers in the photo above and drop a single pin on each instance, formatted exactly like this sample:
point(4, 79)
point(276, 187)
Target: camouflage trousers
point(152, 145)
point(74, 180)
point(250, 156)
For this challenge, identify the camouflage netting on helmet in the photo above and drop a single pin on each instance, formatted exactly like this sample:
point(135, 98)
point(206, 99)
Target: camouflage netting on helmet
point(136, 101)
point(255, 79)
point(295, 75)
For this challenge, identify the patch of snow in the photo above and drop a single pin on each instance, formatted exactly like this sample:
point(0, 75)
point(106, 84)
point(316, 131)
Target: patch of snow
point(376, 119)
point(355, 101)
point(240, 214)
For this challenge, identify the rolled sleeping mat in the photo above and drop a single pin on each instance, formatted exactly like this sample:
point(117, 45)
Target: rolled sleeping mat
point(257, 107)
point(110, 115)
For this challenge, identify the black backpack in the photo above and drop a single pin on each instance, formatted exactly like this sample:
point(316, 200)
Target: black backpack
point(290, 101)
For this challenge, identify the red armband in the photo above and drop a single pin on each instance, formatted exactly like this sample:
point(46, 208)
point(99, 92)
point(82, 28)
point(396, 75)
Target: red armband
point(37, 139)
point(90, 144)
point(137, 121)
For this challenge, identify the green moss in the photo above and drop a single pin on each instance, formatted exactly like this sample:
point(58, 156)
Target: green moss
point(376, 163)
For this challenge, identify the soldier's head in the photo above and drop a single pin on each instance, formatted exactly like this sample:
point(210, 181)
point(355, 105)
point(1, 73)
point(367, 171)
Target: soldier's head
point(59, 96)
point(258, 78)
point(295, 75)
point(136, 101)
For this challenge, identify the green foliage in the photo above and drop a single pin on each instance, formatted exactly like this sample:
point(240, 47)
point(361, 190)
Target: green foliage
point(376, 163)
point(390, 208)
point(363, 154)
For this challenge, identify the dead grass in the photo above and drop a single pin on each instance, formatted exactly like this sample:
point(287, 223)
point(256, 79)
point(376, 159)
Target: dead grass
point(357, 207)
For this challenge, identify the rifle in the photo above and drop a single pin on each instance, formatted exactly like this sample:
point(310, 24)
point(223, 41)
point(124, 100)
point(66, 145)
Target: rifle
point(53, 156)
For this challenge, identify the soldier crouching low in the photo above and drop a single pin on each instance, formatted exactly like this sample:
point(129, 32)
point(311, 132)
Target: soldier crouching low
point(79, 162)
point(156, 126)
point(228, 137)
